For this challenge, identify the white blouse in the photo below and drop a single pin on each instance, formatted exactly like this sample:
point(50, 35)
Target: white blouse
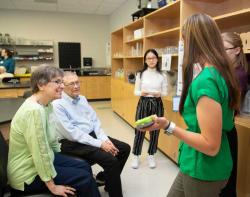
point(151, 81)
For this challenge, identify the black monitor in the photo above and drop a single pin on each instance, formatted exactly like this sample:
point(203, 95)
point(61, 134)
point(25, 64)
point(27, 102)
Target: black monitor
point(69, 55)
point(87, 62)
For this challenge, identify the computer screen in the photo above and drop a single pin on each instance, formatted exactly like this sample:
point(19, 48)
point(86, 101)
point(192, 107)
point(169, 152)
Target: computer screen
point(87, 62)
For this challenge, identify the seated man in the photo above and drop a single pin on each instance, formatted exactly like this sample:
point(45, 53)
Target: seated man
point(81, 135)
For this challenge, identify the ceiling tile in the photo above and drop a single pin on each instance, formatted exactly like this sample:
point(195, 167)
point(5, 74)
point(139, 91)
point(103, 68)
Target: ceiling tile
point(103, 7)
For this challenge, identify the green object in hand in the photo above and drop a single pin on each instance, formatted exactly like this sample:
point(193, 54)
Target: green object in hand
point(144, 122)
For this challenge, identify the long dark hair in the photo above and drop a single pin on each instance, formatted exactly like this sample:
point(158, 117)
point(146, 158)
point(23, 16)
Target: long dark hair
point(203, 44)
point(146, 65)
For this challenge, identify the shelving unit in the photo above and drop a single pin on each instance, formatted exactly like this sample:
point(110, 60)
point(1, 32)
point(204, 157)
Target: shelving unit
point(161, 29)
point(29, 54)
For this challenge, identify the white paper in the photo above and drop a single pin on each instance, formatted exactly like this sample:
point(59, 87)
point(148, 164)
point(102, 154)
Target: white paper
point(180, 62)
point(176, 103)
point(166, 62)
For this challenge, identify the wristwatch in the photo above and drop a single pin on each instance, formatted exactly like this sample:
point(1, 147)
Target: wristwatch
point(169, 130)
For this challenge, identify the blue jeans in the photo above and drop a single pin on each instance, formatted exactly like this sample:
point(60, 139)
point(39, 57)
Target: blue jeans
point(70, 171)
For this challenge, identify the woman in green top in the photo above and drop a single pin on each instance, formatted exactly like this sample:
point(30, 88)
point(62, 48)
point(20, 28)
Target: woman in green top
point(34, 165)
point(208, 102)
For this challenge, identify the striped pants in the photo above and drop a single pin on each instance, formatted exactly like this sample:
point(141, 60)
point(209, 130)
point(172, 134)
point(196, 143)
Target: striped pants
point(147, 106)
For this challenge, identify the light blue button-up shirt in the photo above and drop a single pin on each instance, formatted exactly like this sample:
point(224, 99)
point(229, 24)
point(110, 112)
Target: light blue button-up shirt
point(76, 119)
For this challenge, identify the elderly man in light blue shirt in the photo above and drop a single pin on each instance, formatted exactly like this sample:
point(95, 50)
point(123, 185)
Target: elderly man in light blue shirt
point(80, 133)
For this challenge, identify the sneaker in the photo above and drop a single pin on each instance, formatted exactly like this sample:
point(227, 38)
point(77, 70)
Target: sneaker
point(135, 162)
point(100, 180)
point(151, 161)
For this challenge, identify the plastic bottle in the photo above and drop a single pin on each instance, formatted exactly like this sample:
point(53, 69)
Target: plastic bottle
point(149, 5)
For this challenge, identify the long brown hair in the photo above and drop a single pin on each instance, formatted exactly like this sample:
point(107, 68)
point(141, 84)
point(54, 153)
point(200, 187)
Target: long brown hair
point(203, 44)
point(234, 39)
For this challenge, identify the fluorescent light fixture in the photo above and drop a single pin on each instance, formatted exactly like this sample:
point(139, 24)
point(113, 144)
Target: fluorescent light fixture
point(46, 1)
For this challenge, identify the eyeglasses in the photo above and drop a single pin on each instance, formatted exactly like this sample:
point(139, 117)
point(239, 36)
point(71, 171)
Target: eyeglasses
point(57, 82)
point(151, 58)
point(230, 48)
point(73, 84)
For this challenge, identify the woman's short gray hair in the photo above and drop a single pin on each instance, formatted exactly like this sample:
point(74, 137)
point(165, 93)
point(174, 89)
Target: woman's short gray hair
point(43, 75)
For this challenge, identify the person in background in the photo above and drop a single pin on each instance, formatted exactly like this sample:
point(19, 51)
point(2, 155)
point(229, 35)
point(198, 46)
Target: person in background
point(234, 48)
point(34, 164)
point(80, 132)
point(7, 65)
point(207, 105)
point(150, 85)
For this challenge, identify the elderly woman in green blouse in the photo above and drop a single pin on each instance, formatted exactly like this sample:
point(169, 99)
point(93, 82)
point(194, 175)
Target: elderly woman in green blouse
point(34, 164)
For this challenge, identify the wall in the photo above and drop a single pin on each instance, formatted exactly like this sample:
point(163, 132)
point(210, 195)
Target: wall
point(91, 30)
point(122, 16)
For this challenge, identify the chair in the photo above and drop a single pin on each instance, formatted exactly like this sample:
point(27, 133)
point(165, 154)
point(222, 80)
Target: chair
point(3, 164)
point(27, 94)
point(3, 170)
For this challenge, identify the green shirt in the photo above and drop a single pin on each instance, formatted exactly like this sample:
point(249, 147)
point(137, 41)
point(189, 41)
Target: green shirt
point(192, 162)
point(32, 145)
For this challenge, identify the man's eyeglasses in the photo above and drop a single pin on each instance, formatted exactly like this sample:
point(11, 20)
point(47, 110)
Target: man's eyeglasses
point(57, 82)
point(73, 84)
point(230, 48)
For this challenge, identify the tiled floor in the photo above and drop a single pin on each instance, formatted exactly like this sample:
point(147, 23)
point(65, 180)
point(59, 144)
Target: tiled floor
point(142, 182)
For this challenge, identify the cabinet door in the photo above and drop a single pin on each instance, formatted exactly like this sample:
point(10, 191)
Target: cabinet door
point(98, 87)
point(8, 93)
point(83, 86)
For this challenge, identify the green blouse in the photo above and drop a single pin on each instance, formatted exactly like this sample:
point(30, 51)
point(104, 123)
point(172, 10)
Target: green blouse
point(32, 145)
point(192, 162)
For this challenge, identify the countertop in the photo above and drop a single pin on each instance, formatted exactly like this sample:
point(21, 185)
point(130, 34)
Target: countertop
point(25, 84)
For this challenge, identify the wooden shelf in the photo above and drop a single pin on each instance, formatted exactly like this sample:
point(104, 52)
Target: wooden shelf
point(173, 55)
point(133, 41)
point(162, 20)
point(242, 120)
point(169, 10)
point(247, 51)
point(118, 31)
point(166, 34)
point(135, 25)
point(117, 58)
point(133, 57)
point(234, 21)
point(161, 29)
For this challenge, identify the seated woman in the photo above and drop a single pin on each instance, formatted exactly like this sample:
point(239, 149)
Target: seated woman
point(7, 65)
point(34, 164)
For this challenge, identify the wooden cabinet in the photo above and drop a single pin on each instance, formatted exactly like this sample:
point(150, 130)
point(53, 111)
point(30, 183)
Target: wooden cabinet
point(161, 30)
point(95, 87)
point(12, 92)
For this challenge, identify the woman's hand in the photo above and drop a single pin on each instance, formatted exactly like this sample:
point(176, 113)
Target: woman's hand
point(60, 190)
point(156, 94)
point(144, 93)
point(159, 123)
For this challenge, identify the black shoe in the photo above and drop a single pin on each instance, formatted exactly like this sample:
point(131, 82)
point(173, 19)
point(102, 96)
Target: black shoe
point(106, 189)
point(99, 178)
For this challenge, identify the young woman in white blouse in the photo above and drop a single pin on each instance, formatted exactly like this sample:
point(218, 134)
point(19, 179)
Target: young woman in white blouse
point(150, 85)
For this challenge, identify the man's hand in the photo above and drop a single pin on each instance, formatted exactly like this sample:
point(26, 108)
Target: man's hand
point(109, 147)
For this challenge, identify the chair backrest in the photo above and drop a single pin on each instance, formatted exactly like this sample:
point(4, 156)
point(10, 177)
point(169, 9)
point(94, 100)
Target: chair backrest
point(3, 163)
point(27, 94)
